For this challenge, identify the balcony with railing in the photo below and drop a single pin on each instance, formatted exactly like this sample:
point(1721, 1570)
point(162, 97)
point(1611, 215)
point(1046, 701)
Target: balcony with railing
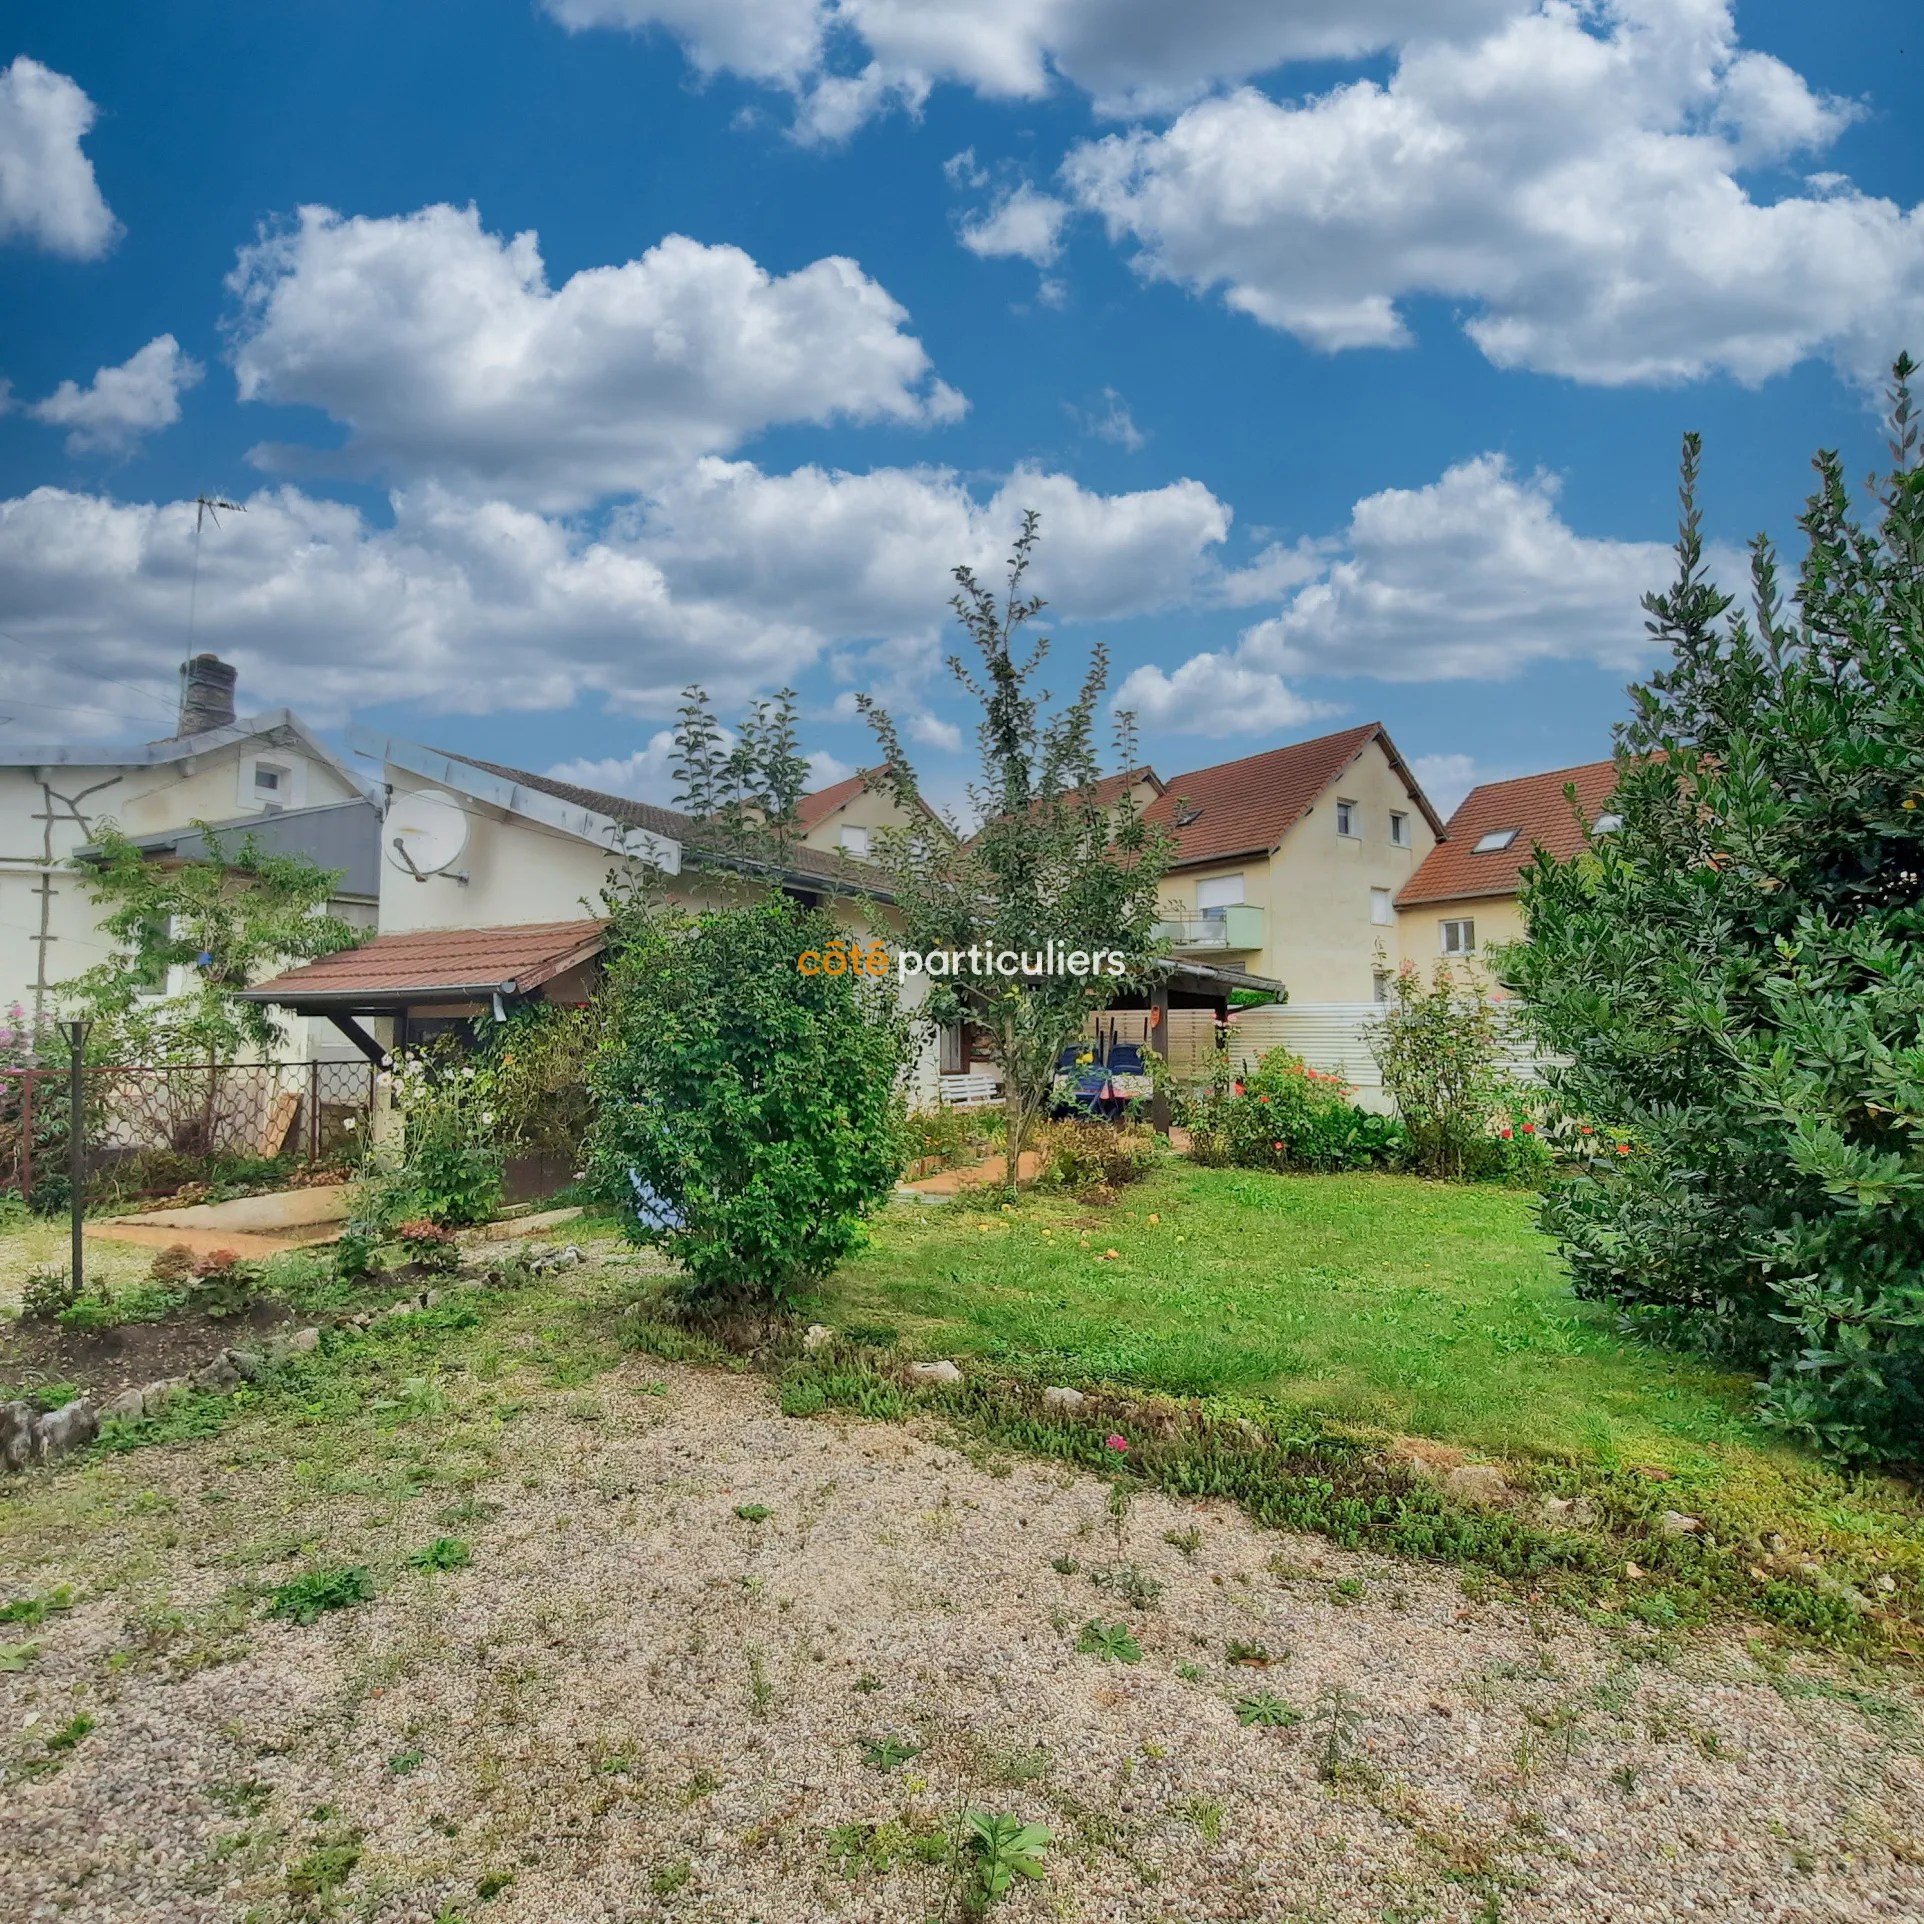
point(1238, 927)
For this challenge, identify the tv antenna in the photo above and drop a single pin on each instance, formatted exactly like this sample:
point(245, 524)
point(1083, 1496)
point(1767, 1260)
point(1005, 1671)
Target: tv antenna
point(206, 508)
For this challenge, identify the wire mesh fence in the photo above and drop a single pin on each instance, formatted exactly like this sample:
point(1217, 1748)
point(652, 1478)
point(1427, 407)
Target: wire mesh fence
point(150, 1131)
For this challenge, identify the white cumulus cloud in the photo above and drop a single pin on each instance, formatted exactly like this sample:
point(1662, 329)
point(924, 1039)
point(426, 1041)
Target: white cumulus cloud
point(1446, 779)
point(48, 195)
point(732, 577)
point(1024, 225)
point(1474, 577)
point(846, 59)
point(1215, 694)
point(445, 353)
point(120, 404)
point(1572, 177)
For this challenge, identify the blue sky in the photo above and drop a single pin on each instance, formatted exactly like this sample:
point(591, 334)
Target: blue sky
point(1345, 348)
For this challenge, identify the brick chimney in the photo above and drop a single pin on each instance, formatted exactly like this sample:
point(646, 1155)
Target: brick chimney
point(206, 694)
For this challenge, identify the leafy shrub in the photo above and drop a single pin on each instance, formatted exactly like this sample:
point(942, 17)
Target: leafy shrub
point(1734, 977)
point(221, 1285)
point(357, 1253)
point(1439, 1046)
point(448, 1162)
point(1097, 1155)
point(748, 1116)
point(48, 1292)
point(1289, 1116)
point(429, 1246)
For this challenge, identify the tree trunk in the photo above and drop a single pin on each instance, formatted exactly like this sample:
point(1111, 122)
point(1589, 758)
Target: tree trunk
point(1015, 1107)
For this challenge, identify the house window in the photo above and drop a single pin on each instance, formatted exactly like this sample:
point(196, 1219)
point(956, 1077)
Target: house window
point(1459, 938)
point(1346, 818)
point(268, 786)
point(1497, 839)
point(955, 1050)
point(1399, 830)
point(855, 842)
point(1215, 893)
point(1381, 911)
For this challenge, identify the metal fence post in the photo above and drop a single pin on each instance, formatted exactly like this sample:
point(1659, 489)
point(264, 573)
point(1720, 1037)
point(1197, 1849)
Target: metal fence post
point(28, 1077)
point(313, 1112)
point(77, 1030)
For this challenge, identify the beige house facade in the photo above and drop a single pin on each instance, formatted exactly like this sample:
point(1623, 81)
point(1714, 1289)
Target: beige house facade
point(1288, 863)
point(1463, 902)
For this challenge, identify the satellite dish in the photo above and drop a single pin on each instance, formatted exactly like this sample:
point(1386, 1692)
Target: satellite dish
point(425, 831)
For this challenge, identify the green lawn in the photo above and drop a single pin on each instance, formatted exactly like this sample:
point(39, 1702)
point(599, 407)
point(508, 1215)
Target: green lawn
point(1370, 1300)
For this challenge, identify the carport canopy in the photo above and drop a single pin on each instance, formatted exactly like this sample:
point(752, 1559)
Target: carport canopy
point(425, 969)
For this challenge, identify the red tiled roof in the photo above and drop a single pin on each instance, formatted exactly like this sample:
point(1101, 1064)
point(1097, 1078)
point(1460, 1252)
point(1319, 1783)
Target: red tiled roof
point(825, 801)
point(1247, 806)
point(431, 962)
point(1533, 805)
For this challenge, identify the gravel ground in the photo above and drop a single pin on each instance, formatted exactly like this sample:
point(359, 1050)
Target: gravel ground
point(637, 1703)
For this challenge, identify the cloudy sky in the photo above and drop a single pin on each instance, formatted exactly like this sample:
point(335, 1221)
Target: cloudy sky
point(561, 352)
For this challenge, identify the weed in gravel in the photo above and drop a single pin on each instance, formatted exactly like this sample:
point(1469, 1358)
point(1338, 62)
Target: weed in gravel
point(1206, 1814)
point(1346, 1590)
point(866, 1683)
point(1111, 1642)
point(753, 1512)
point(1626, 1778)
point(17, 1656)
point(1338, 1725)
point(761, 1693)
point(36, 1610)
point(1255, 1655)
point(1133, 1585)
point(1001, 1849)
point(671, 1878)
point(1065, 1566)
point(888, 1753)
point(444, 1553)
point(1265, 1710)
point(704, 1783)
point(68, 1736)
point(313, 1879)
point(490, 1884)
point(307, 1598)
point(404, 1763)
point(1189, 1672)
point(1012, 1768)
point(1188, 1541)
point(245, 1799)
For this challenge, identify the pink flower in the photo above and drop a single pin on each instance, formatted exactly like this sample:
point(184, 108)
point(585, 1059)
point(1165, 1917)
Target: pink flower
point(1116, 1443)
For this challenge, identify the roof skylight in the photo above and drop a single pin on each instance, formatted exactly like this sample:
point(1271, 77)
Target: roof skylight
point(1498, 838)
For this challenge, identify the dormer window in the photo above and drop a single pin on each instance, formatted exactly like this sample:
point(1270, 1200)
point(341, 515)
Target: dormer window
point(1495, 842)
point(1188, 815)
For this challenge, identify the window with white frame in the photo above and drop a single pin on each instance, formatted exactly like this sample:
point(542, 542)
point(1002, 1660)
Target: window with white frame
point(1217, 893)
point(1458, 936)
point(855, 842)
point(1382, 912)
point(1399, 830)
point(271, 783)
point(1346, 818)
point(1493, 843)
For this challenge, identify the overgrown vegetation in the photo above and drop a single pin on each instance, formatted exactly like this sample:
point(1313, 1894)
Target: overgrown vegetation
point(1734, 974)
